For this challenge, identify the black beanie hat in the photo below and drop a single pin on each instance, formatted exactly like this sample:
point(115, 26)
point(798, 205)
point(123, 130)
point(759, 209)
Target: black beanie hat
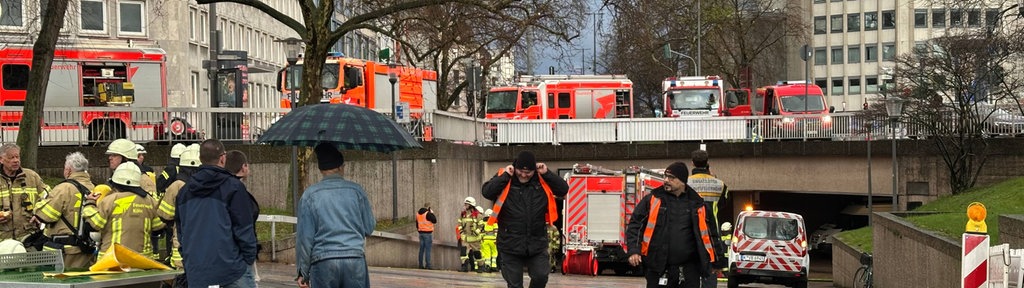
point(678, 170)
point(328, 157)
point(525, 161)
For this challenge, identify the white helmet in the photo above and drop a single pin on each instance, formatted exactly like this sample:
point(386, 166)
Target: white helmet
point(11, 246)
point(470, 200)
point(726, 226)
point(177, 149)
point(489, 212)
point(139, 149)
point(123, 147)
point(479, 209)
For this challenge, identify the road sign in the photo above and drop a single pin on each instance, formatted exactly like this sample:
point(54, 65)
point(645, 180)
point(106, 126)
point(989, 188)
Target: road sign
point(402, 112)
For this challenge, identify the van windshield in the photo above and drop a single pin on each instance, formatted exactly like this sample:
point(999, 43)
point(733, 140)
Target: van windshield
point(770, 228)
point(693, 99)
point(810, 103)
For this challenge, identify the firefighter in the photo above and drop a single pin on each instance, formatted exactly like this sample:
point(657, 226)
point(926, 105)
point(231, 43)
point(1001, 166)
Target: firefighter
point(711, 189)
point(146, 170)
point(469, 234)
point(20, 188)
point(61, 214)
point(188, 164)
point(127, 215)
point(488, 246)
point(554, 246)
point(168, 175)
point(123, 151)
point(727, 240)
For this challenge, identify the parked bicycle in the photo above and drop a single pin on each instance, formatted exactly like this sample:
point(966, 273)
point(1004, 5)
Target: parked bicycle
point(864, 277)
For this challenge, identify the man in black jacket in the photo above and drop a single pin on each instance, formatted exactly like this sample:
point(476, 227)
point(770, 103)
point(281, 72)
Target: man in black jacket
point(524, 195)
point(674, 214)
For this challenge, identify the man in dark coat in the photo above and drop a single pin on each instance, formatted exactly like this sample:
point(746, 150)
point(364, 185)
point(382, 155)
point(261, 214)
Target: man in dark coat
point(524, 195)
point(682, 220)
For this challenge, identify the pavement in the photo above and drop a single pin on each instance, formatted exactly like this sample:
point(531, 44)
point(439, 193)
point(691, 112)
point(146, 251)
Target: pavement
point(274, 275)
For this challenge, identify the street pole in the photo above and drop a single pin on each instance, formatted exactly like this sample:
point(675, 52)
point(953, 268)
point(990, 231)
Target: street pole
point(699, 32)
point(594, 63)
point(895, 173)
point(394, 155)
point(807, 78)
point(871, 208)
point(295, 149)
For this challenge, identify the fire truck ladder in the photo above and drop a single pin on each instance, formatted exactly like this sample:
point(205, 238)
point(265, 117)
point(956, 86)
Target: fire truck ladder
point(593, 169)
point(632, 178)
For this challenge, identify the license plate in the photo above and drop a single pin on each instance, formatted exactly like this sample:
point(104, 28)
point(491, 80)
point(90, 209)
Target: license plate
point(752, 258)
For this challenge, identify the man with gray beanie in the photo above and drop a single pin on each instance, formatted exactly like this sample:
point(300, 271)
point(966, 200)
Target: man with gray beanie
point(674, 214)
point(335, 217)
point(524, 205)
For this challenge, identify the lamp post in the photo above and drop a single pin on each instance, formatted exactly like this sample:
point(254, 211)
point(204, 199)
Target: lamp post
point(669, 52)
point(594, 56)
point(393, 78)
point(894, 107)
point(292, 47)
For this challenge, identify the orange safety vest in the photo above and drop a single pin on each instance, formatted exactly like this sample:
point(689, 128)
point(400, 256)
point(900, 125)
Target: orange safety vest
point(424, 224)
point(652, 220)
point(552, 214)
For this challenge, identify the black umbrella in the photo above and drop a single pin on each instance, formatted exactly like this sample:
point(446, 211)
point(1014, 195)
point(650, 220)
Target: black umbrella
point(348, 127)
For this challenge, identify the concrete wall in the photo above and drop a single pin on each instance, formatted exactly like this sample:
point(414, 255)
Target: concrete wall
point(1011, 230)
point(907, 256)
point(845, 262)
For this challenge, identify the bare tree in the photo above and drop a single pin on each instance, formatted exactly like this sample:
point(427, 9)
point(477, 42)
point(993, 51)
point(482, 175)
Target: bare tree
point(639, 31)
point(39, 78)
point(745, 40)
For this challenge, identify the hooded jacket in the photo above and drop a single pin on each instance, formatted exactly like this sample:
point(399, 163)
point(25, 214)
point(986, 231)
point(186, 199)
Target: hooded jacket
point(213, 200)
point(521, 223)
point(658, 250)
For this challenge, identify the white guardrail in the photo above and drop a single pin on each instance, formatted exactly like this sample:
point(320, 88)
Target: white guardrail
point(1005, 269)
point(94, 125)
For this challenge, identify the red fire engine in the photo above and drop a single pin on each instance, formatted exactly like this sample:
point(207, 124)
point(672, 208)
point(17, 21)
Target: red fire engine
point(366, 83)
point(567, 97)
point(595, 234)
point(791, 99)
point(80, 77)
point(703, 96)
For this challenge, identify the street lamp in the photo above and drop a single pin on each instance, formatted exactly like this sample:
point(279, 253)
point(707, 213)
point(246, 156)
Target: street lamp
point(292, 47)
point(668, 54)
point(393, 78)
point(894, 107)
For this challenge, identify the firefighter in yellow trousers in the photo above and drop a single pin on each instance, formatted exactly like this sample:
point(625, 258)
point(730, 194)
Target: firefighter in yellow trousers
point(555, 246)
point(469, 232)
point(488, 246)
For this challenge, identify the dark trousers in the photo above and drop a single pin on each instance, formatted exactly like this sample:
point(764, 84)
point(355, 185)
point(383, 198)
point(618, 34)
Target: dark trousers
point(690, 272)
point(512, 269)
point(426, 243)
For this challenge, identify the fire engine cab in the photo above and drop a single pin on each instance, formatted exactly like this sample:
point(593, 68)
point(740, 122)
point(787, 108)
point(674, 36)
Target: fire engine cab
point(563, 97)
point(695, 96)
point(597, 209)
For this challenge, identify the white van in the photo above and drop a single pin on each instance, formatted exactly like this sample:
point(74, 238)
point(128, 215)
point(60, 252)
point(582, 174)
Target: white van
point(769, 247)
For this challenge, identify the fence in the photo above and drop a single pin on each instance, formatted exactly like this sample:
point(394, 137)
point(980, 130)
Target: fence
point(1004, 267)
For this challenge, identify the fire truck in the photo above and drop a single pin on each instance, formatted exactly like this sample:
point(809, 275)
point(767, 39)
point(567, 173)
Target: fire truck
point(597, 208)
point(88, 77)
point(367, 83)
point(703, 96)
point(794, 99)
point(567, 97)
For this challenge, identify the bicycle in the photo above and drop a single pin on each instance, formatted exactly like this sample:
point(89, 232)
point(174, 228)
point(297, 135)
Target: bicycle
point(864, 277)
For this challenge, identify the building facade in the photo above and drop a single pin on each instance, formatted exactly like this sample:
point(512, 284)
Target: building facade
point(855, 41)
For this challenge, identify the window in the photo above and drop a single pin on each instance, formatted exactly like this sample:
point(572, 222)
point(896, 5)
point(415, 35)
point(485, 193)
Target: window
point(820, 57)
point(837, 23)
point(888, 52)
point(888, 19)
point(872, 85)
point(938, 18)
point(921, 18)
point(956, 18)
point(15, 76)
point(870, 21)
point(853, 23)
point(837, 55)
point(837, 86)
point(819, 25)
point(854, 85)
point(853, 54)
point(195, 88)
point(992, 17)
point(974, 18)
point(203, 32)
point(870, 53)
point(131, 17)
point(93, 17)
point(564, 100)
point(192, 23)
point(822, 83)
point(11, 13)
point(819, 1)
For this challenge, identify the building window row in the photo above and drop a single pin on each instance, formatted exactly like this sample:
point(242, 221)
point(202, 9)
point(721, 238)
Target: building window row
point(848, 85)
point(93, 18)
point(956, 17)
point(853, 23)
point(853, 54)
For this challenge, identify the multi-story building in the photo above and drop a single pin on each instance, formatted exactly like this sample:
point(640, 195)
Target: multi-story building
point(855, 41)
point(182, 30)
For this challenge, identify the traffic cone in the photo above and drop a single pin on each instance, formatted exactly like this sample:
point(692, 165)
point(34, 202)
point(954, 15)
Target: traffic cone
point(120, 258)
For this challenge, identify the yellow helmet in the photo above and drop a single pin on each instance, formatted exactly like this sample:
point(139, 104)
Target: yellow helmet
point(177, 149)
point(123, 147)
point(101, 190)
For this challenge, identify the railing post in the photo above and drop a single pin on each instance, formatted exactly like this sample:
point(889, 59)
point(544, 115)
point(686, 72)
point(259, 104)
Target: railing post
point(273, 241)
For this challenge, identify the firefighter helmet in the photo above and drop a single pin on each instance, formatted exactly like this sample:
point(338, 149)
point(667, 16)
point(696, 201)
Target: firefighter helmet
point(123, 147)
point(726, 226)
point(177, 149)
point(489, 212)
point(470, 200)
point(190, 158)
point(139, 149)
point(11, 246)
point(127, 174)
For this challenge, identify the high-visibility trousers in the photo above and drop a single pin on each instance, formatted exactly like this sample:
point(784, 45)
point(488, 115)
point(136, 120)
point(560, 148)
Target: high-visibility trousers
point(489, 249)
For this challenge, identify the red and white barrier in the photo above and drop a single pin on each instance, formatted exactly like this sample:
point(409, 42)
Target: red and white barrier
point(974, 267)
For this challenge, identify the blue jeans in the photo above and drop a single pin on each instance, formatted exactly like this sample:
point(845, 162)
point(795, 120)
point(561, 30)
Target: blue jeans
point(339, 272)
point(246, 281)
point(426, 242)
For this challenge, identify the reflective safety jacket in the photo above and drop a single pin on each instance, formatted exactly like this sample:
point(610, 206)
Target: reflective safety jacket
point(126, 218)
point(65, 200)
point(556, 238)
point(18, 195)
point(425, 221)
point(470, 226)
point(524, 210)
point(167, 176)
point(490, 231)
point(644, 236)
point(166, 213)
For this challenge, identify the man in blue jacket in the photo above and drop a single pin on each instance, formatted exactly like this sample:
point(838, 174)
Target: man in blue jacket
point(335, 217)
point(213, 199)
